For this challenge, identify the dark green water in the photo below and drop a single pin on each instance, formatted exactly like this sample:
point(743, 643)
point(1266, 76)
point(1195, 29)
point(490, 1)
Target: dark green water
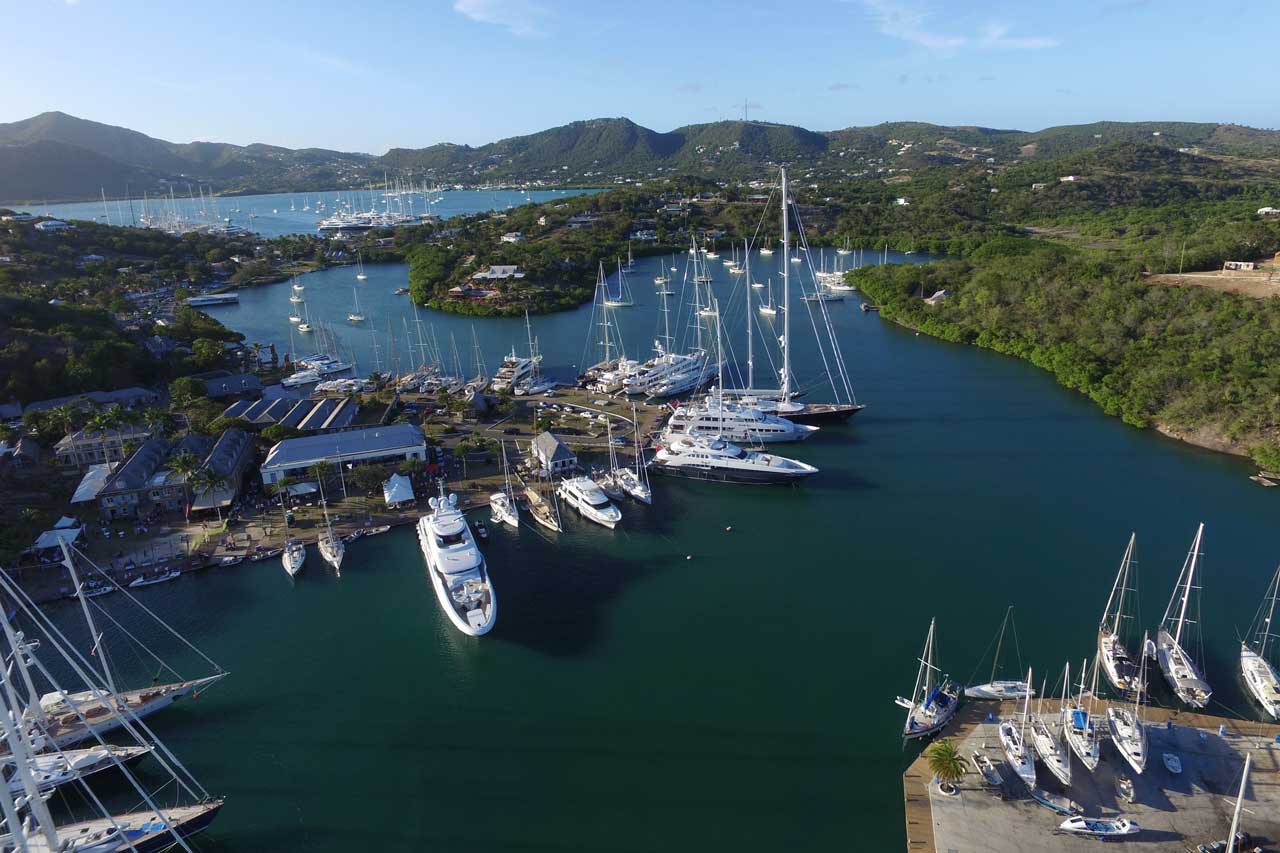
point(630, 699)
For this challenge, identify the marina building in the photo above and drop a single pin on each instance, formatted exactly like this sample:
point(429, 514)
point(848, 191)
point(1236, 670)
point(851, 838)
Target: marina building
point(381, 445)
point(498, 272)
point(553, 454)
point(84, 447)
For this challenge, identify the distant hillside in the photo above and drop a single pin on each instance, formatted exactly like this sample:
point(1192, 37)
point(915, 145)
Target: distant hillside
point(54, 156)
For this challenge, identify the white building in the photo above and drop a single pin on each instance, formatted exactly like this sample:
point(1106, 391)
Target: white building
point(499, 272)
point(513, 237)
point(552, 454)
point(383, 444)
point(52, 225)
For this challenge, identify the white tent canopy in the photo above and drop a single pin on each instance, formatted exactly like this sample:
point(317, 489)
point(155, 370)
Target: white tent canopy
point(397, 490)
point(51, 538)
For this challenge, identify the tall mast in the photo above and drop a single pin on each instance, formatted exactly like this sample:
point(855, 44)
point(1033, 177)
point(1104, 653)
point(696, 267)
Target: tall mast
point(751, 368)
point(1119, 587)
point(995, 661)
point(1026, 707)
point(1262, 634)
point(1235, 816)
point(786, 295)
point(1186, 590)
point(94, 633)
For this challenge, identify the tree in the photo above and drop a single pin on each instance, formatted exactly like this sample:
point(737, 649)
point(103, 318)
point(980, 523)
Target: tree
point(158, 420)
point(185, 464)
point(946, 763)
point(206, 353)
point(207, 480)
point(366, 478)
point(184, 389)
point(279, 432)
point(322, 470)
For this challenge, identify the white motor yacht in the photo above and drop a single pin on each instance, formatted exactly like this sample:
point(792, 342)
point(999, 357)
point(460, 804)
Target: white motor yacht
point(584, 495)
point(293, 556)
point(457, 568)
point(514, 370)
point(734, 422)
point(698, 457)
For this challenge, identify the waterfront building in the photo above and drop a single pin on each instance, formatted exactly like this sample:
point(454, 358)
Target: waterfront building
point(84, 447)
point(553, 455)
point(382, 445)
point(498, 272)
point(143, 484)
point(229, 458)
point(233, 385)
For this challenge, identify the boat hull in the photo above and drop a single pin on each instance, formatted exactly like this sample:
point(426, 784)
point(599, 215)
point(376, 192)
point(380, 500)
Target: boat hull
point(1261, 679)
point(727, 475)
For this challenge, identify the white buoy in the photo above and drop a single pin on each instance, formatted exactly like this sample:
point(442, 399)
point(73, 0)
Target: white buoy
point(688, 556)
point(729, 529)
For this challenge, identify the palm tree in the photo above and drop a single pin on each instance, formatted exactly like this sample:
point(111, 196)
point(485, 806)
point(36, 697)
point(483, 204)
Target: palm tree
point(322, 470)
point(67, 416)
point(185, 464)
point(158, 420)
point(946, 763)
point(207, 480)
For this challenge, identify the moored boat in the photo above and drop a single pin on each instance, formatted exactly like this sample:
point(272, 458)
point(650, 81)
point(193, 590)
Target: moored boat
point(934, 699)
point(1256, 668)
point(458, 570)
point(1180, 628)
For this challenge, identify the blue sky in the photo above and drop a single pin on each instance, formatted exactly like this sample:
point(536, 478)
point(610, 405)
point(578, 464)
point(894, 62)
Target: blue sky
point(404, 73)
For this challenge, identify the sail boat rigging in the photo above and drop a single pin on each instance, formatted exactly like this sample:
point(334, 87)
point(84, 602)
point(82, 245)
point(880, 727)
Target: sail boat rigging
point(999, 689)
point(1258, 671)
point(1179, 627)
point(1013, 741)
point(502, 505)
point(1117, 664)
point(356, 316)
point(329, 544)
point(1077, 719)
point(623, 298)
point(360, 276)
point(1128, 730)
point(935, 697)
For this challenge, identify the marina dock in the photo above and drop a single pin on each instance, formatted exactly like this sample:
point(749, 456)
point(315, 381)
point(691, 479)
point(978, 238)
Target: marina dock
point(1176, 812)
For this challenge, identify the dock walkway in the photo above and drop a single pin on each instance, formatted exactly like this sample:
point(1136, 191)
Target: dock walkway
point(1176, 812)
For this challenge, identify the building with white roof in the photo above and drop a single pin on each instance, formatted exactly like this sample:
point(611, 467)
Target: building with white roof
point(381, 444)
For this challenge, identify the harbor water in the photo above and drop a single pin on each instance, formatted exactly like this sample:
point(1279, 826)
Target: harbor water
point(719, 672)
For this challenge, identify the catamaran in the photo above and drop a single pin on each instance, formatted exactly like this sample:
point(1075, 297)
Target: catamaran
point(502, 505)
point(456, 566)
point(1077, 719)
point(999, 689)
point(1258, 671)
point(933, 700)
point(1117, 663)
point(1180, 626)
point(1128, 730)
point(1048, 745)
point(1014, 743)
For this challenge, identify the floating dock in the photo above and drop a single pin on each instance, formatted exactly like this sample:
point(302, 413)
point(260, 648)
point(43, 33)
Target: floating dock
point(1176, 812)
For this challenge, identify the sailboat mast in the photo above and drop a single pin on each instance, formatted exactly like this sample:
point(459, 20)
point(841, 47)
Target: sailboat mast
point(995, 661)
point(1026, 707)
point(1235, 816)
point(1186, 590)
point(751, 367)
point(1264, 627)
point(94, 633)
point(786, 294)
point(1118, 588)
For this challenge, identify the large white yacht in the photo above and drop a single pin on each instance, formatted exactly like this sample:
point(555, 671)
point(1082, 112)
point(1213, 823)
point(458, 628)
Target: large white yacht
point(698, 457)
point(734, 422)
point(671, 373)
point(457, 568)
point(584, 495)
point(514, 370)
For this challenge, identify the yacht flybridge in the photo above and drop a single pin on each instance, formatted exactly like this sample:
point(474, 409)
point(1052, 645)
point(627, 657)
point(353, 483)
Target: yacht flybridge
point(1117, 664)
point(456, 566)
point(1258, 671)
point(718, 417)
point(1180, 628)
point(933, 700)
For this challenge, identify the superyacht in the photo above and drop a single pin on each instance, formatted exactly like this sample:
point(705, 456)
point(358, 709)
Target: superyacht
point(457, 568)
point(697, 457)
point(734, 422)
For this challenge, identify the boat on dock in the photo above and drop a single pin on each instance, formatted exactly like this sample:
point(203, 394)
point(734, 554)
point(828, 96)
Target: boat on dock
point(986, 769)
point(1119, 666)
point(1013, 742)
point(1058, 803)
point(1256, 668)
point(1048, 745)
point(1078, 719)
point(1180, 628)
point(1099, 827)
point(457, 568)
point(1128, 729)
point(935, 697)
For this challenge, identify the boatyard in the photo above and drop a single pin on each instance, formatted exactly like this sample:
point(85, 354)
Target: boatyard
point(1175, 812)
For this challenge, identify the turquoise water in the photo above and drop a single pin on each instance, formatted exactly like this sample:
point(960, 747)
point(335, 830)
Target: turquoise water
point(633, 699)
point(277, 214)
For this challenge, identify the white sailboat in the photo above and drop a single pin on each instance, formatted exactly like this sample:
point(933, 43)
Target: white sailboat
point(622, 299)
point(1077, 720)
point(502, 505)
point(1048, 744)
point(356, 316)
point(1117, 664)
point(331, 547)
point(1179, 628)
point(1258, 671)
point(1014, 743)
point(305, 325)
point(360, 276)
point(635, 483)
point(999, 689)
point(294, 553)
point(933, 700)
point(767, 307)
point(1128, 729)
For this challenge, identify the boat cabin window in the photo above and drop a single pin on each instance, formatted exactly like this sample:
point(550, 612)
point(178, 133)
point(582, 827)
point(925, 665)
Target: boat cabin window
point(451, 539)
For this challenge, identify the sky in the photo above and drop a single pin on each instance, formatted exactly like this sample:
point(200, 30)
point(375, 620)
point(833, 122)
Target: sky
point(398, 73)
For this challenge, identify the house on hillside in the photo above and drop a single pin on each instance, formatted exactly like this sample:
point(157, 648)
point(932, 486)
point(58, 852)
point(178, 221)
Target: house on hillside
point(1239, 266)
point(52, 226)
point(498, 272)
point(513, 237)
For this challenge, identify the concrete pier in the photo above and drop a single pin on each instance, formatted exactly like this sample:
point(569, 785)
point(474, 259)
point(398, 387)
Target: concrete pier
point(1176, 812)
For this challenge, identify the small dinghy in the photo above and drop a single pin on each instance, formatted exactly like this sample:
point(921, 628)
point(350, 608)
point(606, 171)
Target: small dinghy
point(1060, 804)
point(1099, 828)
point(986, 769)
point(1172, 763)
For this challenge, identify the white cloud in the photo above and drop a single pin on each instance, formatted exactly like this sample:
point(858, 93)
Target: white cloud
point(519, 17)
point(902, 21)
point(997, 35)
